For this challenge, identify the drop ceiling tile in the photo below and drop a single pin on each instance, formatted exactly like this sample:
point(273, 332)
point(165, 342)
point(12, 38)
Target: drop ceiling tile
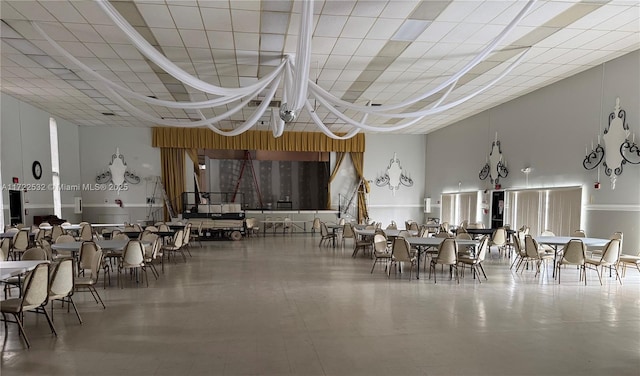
point(112, 34)
point(77, 49)
point(126, 51)
point(369, 8)
point(346, 46)
point(220, 40)
point(101, 50)
point(272, 42)
point(323, 45)
point(370, 47)
point(384, 28)
point(274, 22)
point(63, 11)
point(216, 19)
point(194, 38)
point(247, 41)
point(186, 17)
point(32, 10)
point(156, 15)
point(330, 26)
point(357, 27)
point(245, 21)
point(167, 37)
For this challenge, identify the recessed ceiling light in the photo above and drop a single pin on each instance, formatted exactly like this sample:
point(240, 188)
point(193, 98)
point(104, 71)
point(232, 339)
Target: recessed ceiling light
point(410, 30)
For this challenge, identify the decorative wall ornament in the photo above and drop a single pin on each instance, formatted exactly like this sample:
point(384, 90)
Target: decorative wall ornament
point(117, 173)
point(618, 149)
point(495, 167)
point(394, 176)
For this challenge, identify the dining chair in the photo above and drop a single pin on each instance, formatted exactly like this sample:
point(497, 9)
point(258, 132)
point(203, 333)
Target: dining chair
point(88, 249)
point(610, 258)
point(34, 298)
point(133, 260)
point(187, 239)
point(316, 225)
point(499, 239)
point(34, 254)
point(325, 235)
point(474, 262)
point(535, 254)
point(519, 251)
point(381, 251)
point(175, 246)
point(618, 235)
point(163, 227)
point(61, 285)
point(90, 282)
point(56, 231)
point(629, 260)
point(20, 244)
point(392, 226)
point(400, 254)
point(574, 253)
point(579, 234)
point(347, 232)
point(447, 255)
point(151, 253)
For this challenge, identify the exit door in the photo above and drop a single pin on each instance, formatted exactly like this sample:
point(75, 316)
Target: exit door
point(497, 209)
point(15, 207)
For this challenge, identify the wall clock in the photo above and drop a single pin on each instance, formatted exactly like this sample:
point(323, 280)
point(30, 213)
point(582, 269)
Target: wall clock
point(36, 169)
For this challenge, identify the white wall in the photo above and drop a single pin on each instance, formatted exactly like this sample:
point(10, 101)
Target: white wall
point(24, 139)
point(97, 144)
point(547, 130)
point(384, 205)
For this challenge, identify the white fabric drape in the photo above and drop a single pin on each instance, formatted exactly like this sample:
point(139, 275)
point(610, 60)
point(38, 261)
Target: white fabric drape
point(458, 207)
point(557, 210)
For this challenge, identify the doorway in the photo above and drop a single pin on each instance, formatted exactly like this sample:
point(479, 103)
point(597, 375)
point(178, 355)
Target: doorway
point(15, 207)
point(497, 209)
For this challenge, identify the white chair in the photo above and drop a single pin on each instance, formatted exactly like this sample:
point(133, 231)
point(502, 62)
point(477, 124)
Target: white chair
point(62, 285)
point(34, 298)
point(574, 253)
point(401, 253)
point(535, 254)
point(380, 251)
point(447, 255)
point(326, 236)
point(132, 260)
point(610, 257)
point(89, 283)
point(475, 262)
point(175, 246)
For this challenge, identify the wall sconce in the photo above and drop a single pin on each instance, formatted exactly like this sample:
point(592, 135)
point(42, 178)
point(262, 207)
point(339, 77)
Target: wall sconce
point(117, 173)
point(495, 167)
point(618, 148)
point(394, 176)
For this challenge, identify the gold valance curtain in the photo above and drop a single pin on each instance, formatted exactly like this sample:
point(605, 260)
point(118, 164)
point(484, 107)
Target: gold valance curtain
point(334, 173)
point(204, 138)
point(173, 177)
point(363, 189)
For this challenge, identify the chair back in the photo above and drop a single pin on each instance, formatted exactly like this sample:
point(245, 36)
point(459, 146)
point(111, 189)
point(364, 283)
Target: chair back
point(499, 236)
point(379, 243)
point(444, 227)
point(483, 248)
point(120, 236)
point(44, 224)
point(86, 233)
point(392, 226)
point(611, 253)
point(443, 234)
point(519, 247)
point(323, 229)
point(133, 254)
point(178, 238)
point(4, 248)
point(401, 249)
point(463, 236)
point(413, 226)
point(461, 230)
point(56, 231)
point(617, 235)
point(62, 279)
point(347, 231)
point(163, 227)
point(187, 234)
point(64, 239)
point(39, 235)
point(21, 240)
point(342, 221)
point(151, 252)
point(44, 244)
point(36, 287)
point(96, 264)
point(404, 234)
point(137, 227)
point(151, 229)
point(149, 237)
point(531, 247)
point(447, 252)
point(88, 250)
point(35, 253)
point(574, 252)
point(547, 233)
point(579, 234)
point(316, 224)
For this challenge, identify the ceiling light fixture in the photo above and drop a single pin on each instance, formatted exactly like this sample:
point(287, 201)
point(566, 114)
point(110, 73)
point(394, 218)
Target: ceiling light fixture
point(410, 30)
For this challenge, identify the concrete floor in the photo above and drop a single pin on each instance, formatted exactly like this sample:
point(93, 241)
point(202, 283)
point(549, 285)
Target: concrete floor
point(281, 305)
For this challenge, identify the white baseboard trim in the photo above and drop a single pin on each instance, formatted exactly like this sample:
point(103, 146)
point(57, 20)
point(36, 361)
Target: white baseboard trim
point(396, 206)
point(124, 206)
point(613, 207)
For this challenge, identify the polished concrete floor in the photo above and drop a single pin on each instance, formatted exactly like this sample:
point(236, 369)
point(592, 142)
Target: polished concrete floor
point(284, 306)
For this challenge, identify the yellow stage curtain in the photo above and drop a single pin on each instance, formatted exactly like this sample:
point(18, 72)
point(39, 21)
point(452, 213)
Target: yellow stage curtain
point(204, 138)
point(173, 177)
point(334, 173)
point(363, 189)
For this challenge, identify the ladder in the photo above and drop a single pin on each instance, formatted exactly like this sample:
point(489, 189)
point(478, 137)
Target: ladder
point(353, 195)
point(165, 197)
point(247, 159)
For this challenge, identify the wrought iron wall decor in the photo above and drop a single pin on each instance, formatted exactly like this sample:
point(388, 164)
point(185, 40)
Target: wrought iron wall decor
point(118, 172)
point(619, 148)
point(495, 168)
point(394, 176)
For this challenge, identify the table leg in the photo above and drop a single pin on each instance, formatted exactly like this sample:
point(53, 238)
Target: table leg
point(419, 256)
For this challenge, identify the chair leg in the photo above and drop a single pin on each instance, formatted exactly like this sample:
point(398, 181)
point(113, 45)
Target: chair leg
point(19, 322)
point(53, 329)
point(98, 296)
point(74, 308)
